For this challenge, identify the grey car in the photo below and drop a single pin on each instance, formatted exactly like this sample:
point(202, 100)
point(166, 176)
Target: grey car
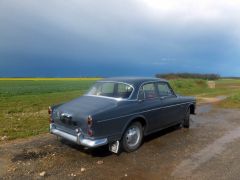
point(120, 112)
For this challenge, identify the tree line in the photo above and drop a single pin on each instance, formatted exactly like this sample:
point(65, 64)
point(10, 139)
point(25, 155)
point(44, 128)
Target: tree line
point(189, 75)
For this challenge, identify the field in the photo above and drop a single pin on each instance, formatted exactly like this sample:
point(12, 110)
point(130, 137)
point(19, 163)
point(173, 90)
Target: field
point(24, 101)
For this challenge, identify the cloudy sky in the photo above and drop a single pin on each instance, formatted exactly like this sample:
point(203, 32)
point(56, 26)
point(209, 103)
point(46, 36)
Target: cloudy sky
point(114, 38)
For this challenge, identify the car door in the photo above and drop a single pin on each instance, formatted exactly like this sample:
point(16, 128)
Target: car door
point(149, 105)
point(170, 108)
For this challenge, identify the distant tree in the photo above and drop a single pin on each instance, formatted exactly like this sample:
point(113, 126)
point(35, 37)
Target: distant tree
point(230, 77)
point(189, 75)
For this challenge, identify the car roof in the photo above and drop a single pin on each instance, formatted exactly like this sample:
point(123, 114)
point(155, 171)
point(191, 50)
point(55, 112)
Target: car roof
point(133, 80)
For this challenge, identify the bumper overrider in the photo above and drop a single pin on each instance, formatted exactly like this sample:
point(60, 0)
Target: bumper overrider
point(78, 138)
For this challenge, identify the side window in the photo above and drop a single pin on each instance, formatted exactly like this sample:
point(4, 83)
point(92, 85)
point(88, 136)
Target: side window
point(149, 91)
point(123, 90)
point(107, 89)
point(164, 89)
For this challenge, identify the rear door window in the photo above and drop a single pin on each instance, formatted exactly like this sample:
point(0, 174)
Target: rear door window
point(149, 91)
point(164, 89)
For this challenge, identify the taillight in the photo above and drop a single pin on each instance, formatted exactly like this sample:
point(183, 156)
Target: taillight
point(89, 123)
point(50, 114)
point(90, 132)
point(49, 110)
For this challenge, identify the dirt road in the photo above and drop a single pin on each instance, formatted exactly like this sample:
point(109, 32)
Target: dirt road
point(209, 149)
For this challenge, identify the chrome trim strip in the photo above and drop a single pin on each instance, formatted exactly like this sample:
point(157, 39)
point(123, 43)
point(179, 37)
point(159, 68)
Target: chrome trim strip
point(107, 97)
point(79, 138)
point(118, 99)
point(146, 111)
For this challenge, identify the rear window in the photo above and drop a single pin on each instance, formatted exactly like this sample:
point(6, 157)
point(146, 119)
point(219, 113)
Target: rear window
point(111, 89)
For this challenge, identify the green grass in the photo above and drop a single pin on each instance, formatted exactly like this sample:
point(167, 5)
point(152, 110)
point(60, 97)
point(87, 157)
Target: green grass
point(24, 102)
point(189, 86)
point(232, 101)
point(198, 87)
point(232, 87)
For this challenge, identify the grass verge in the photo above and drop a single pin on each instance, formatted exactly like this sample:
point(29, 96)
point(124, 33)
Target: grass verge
point(24, 102)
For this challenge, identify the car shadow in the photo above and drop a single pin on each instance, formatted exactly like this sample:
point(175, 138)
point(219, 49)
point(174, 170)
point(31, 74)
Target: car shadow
point(103, 151)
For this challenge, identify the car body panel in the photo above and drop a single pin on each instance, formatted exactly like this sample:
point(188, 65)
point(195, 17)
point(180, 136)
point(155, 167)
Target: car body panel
point(111, 116)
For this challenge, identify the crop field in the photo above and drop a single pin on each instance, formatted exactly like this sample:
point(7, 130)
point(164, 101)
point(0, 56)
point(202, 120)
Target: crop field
point(24, 101)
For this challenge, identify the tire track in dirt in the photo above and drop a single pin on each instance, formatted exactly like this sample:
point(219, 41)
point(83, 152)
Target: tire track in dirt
point(187, 166)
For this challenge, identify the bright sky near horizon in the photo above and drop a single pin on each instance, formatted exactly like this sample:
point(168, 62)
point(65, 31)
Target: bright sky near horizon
point(63, 38)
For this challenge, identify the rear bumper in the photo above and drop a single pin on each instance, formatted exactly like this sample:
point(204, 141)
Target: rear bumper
point(78, 138)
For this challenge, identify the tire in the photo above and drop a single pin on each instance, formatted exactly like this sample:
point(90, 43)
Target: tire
point(132, 137)
point(186, 120)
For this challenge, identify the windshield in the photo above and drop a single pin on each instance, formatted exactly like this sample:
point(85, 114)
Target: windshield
point(111, 89)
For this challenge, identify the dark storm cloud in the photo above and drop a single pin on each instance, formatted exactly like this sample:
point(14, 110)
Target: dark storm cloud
point(109, 38)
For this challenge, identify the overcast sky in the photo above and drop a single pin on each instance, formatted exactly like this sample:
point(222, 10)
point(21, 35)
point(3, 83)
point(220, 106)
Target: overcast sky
point(115, 38)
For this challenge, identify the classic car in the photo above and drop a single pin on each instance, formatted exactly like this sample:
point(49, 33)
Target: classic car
point(119, 112)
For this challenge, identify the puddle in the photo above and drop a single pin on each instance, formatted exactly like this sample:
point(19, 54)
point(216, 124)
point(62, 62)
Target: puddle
point(29, 155)
point(221, 98)
point(204, 108)
point(186, 167)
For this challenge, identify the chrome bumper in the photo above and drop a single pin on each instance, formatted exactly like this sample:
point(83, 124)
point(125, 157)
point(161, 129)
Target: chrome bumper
point(79, 138)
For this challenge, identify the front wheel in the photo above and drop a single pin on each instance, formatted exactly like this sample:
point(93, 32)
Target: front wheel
point(186, 121)
point(132, 137)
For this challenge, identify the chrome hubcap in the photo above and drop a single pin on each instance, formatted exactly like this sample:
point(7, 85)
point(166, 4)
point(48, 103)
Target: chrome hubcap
point(133, 136)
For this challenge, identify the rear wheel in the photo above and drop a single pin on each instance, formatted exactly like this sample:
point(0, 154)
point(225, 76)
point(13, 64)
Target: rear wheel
point(186, 120)
point(132, 137)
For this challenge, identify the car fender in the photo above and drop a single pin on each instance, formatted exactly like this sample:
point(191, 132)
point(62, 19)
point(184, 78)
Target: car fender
point(132, 119)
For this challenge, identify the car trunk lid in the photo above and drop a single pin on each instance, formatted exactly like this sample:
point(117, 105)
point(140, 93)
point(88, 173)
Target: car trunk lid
point(74, 114)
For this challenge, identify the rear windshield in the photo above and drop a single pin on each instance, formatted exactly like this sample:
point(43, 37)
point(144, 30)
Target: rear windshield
point(111, 89)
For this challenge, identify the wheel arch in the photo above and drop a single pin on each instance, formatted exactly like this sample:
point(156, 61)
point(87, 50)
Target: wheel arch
point(138, 118)
point(192, 108)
